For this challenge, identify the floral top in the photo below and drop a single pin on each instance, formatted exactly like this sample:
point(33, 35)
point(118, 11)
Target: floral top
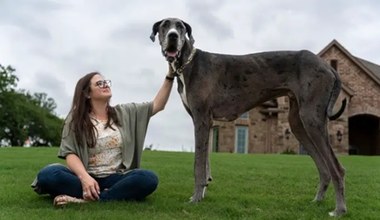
point(134, 119)
point(105, 158)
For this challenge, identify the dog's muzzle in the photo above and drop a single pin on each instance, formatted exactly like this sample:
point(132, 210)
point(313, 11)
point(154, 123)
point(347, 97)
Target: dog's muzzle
point(172, 51)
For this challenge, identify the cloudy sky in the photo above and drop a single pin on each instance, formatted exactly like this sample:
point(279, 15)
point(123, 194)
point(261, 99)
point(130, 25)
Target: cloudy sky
point(52, 43)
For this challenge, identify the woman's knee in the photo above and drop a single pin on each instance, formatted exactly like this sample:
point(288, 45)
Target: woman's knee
point(150, 179)
point(48, 174)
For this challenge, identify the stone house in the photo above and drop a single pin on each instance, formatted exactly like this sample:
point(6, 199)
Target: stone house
point(265, 129)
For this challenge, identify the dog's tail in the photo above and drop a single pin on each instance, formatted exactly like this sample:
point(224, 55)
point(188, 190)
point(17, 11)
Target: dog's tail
point(334, 96)
point(340, 112)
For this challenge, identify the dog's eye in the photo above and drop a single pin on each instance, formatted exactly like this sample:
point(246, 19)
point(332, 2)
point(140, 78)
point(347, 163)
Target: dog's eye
point(166, 24)
point(179, 25)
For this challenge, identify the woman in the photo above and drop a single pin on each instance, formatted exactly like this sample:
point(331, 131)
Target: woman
point(102, 146)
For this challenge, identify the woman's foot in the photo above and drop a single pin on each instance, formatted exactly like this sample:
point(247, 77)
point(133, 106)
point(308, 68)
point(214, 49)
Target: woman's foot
point(65, 199)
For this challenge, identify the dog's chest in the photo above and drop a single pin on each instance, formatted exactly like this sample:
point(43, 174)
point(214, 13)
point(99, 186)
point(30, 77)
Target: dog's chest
point(182, 91)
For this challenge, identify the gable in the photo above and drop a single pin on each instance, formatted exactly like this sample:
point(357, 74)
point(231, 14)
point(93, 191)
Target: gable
point(369, 68)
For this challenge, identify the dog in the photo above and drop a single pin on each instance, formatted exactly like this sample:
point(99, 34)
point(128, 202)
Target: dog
point(222, 87)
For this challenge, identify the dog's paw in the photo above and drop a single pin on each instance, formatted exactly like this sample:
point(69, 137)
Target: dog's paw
point(333, 214)
point(195, 199)
point(198, 195)
point(337, 213)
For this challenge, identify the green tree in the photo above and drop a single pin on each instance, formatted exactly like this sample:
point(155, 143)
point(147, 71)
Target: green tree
point(45, 102)
point(14, 117)
point(24, 116)
point(42, 100)
point(7, 80)
point(44, 127)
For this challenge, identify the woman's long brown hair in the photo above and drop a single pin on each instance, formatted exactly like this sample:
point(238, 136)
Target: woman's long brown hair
point(80, 123)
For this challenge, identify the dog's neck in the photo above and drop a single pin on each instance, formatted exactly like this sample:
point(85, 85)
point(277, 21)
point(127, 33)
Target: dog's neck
point(188, 52)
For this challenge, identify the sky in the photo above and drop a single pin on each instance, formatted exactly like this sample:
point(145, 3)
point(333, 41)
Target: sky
point(53, 43)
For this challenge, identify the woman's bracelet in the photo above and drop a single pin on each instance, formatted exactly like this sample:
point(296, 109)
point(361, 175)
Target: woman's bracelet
point(169, 78)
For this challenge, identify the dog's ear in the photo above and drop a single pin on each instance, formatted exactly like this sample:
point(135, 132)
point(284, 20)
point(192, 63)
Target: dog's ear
point(155, 30)
point(188, 30)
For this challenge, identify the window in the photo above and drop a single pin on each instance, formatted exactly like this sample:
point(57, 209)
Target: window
point(244, 115)
point(241, 139)
point(334, 64)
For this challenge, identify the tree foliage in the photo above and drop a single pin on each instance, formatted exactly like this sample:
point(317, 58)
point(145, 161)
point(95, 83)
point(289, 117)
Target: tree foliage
point(24, 116)
point(7, 80)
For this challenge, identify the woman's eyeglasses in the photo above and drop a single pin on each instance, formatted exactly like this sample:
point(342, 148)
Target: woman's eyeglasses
point(103, 83)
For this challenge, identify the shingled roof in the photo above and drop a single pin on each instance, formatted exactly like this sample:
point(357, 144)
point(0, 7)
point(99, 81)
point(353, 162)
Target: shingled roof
point(370, 66)
point(372, 70)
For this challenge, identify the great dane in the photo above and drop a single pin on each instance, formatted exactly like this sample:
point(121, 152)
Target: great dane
point(222, 87)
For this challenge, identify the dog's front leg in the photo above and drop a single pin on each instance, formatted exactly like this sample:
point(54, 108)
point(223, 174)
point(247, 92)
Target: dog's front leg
point(202, 129)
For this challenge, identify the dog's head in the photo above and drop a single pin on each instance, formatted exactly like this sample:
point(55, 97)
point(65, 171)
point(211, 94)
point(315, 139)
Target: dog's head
point(171, 33)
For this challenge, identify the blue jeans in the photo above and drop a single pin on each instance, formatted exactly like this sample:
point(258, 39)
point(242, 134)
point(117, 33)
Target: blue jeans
point(133, 185)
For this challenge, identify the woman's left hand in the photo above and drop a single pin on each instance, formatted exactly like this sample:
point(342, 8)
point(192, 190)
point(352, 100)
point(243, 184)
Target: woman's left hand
point(90, 188)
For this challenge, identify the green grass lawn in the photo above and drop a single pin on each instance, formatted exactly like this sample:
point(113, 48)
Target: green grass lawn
point(244, 187)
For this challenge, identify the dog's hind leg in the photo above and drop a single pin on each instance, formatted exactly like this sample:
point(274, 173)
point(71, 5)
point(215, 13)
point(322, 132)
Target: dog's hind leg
point(298, 130)
point(315, 124)
point(208, 167)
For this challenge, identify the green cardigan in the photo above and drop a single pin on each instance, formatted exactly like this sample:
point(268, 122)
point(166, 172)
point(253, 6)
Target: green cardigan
point(134, 119)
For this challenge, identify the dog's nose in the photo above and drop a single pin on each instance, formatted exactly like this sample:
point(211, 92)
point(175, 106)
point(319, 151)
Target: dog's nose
point(173, 36)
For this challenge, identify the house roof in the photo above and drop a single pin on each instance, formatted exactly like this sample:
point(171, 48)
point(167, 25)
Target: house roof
point(370, 66)
point(371, 69)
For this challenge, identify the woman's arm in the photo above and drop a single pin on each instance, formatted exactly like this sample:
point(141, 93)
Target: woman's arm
point(163, 94)
point(90, 187)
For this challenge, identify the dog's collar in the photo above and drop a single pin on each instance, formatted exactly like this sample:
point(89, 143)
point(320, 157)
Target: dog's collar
point(179, 70)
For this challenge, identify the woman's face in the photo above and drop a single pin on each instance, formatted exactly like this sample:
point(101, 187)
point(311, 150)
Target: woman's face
point(100, 88)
